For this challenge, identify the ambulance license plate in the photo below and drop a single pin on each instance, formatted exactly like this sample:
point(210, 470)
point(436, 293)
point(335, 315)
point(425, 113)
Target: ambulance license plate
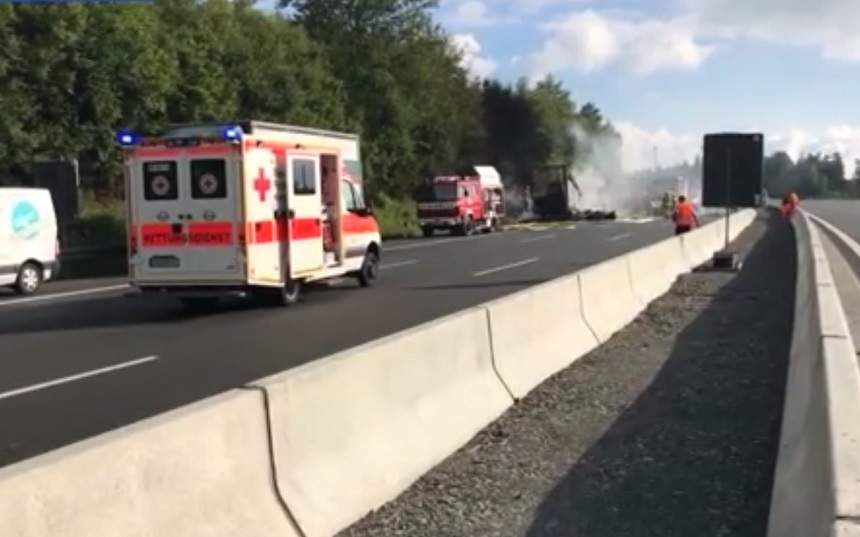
point(164, 261)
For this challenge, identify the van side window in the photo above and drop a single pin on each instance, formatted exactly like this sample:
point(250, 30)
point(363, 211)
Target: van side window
point(304, 177)
point(159, 181)
point(347, 194)
point(208, 179)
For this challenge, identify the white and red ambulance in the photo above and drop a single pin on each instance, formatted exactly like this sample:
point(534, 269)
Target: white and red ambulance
point(250, 208)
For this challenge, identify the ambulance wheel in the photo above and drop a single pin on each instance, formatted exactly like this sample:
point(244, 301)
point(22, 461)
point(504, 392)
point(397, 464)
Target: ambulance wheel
point(369, 269)
point(29, 279)
point(285, 296)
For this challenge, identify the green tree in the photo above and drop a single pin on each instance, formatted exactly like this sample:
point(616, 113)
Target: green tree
point(556, 114)
point(776, 170)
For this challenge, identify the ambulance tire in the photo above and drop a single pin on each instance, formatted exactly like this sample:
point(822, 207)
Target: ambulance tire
point(282, 297)
point(290, 293)
point(369, 269)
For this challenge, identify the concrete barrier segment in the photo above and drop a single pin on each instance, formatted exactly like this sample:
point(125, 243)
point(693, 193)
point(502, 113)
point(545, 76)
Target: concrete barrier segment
point(352, 431)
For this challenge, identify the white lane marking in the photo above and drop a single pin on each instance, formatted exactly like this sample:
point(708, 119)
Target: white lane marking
point(429, 243)
point(536, 239)
point(79, 376)
point(621, 237)
point(506, 267)
point(400, 264)
point(82, 292)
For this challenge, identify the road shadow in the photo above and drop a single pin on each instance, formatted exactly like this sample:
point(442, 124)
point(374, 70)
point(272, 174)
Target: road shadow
point(695, 452)
point(134, 308)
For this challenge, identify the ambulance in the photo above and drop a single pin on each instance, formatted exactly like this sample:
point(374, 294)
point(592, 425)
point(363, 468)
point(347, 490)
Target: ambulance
point(251, 209)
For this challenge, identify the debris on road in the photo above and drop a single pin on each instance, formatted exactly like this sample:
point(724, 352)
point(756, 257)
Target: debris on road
point(669, 429)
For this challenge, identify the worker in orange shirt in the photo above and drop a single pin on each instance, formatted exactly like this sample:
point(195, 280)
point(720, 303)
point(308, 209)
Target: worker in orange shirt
point(789, 204)
point(685, 216)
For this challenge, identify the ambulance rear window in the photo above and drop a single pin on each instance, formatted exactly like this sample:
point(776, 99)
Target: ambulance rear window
point(208, 179)
point(159, 181)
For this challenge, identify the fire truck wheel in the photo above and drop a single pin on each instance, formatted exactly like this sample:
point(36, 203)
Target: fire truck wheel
point(467, 228)
point(369, 269)
point(427, 231)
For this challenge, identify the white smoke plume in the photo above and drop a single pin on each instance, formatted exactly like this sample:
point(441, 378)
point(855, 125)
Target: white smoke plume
point(600, 174)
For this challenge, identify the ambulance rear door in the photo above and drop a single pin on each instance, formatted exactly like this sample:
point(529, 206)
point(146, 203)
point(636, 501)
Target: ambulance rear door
point(213, 213)
point(186, 207)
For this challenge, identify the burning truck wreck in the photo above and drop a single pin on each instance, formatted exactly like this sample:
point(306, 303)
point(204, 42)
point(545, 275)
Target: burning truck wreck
point(555, 194)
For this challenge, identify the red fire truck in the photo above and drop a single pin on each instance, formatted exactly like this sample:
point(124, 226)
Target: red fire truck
point(462, 204)
point(251, 209)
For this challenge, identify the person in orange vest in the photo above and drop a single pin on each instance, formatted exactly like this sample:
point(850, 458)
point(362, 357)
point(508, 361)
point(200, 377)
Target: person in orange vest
point(789, 204)
point(685, 216)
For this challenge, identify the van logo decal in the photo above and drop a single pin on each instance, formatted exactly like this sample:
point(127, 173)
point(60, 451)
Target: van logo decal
point(25, 221)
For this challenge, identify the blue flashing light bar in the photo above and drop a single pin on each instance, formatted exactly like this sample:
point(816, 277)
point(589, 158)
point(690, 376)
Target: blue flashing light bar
point(127, 138)
point(233, 133)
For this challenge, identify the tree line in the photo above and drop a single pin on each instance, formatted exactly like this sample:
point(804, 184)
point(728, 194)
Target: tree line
point(811, 176)
point(70, 75)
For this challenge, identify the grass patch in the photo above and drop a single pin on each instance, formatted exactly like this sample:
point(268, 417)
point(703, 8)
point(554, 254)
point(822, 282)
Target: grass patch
point(398, 219)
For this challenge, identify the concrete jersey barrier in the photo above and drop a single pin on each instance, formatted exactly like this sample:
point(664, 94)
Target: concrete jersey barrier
point(655, 268)
point(608, 301)
point(538, 332)
point(352, 431)
point(816, 490)
point(201, 470)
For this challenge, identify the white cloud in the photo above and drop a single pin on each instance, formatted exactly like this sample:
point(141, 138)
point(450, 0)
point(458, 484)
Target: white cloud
point(638, 149)
point(842, 139)
point(829, 25)
point(588, 40)
point(472, 14)
point(470, 49)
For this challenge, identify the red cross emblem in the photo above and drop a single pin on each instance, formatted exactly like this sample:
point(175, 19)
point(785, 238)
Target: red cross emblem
point(262, 185)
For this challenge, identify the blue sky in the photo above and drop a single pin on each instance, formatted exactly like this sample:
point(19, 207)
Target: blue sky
point(667, 71)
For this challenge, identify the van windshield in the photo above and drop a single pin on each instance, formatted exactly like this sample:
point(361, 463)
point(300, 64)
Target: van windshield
point(438, 192)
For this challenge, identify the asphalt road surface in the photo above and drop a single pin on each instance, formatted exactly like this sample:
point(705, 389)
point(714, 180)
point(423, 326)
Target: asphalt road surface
point(844, 214)
point(86, 357)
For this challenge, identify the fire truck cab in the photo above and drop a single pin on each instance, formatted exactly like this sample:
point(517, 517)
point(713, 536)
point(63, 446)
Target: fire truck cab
point(247, 208)
point(463, 205)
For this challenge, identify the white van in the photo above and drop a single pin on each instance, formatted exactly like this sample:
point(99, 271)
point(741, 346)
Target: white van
point(29, 246)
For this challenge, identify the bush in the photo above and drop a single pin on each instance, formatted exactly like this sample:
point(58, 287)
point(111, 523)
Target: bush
point(97, 231)
point(398, 219)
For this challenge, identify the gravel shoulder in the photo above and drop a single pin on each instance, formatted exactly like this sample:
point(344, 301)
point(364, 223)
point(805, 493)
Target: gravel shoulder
point(669, 429)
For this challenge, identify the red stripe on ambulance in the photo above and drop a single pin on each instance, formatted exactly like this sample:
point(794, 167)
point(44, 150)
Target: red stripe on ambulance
point(211, 234)
point(305, 228)
point(268, 231)
point(160, 235)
